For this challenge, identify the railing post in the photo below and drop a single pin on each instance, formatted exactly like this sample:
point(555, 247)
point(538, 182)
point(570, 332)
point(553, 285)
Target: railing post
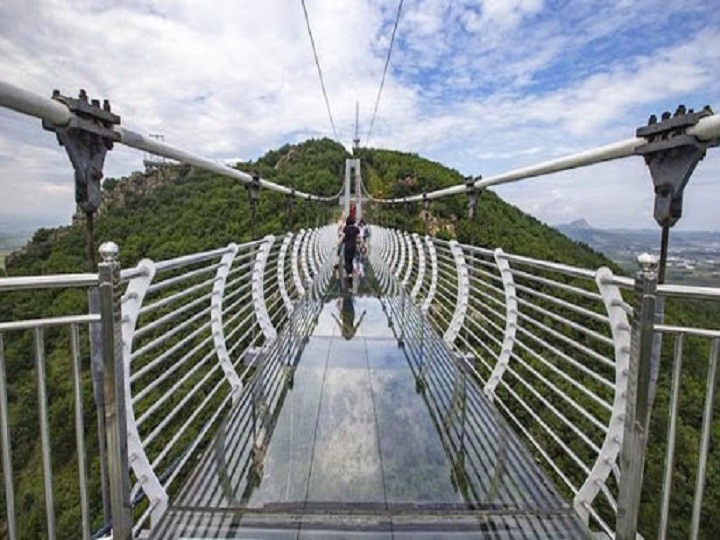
point(258, 289)
point(142, 468)
point(10, 525)
point(393, 254)
point(304, 256)
point(463, 294)
point(115, 398)
point(621, 337)
point(637, 415)
point(310, 249)
point(511, 316)
point(421, 267)
point(400, 242)
point(281, 273)
point(96, 367)
point(408, 243)
point(216, 322)
point(433, 275)
point(295, 263)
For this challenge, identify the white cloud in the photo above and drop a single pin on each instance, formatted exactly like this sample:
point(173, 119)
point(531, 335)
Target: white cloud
point(483, 86)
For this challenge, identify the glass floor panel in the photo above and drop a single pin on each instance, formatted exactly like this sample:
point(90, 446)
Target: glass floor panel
point(373, 430)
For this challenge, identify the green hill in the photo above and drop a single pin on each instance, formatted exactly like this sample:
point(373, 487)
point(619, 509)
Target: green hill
point(182, 210)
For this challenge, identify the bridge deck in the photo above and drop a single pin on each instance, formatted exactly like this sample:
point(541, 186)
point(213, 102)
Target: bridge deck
point(343, 433)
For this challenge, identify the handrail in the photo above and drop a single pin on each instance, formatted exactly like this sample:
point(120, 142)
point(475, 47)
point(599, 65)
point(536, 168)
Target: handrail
point(48, 282)
point(707, 128)
point(57, 113)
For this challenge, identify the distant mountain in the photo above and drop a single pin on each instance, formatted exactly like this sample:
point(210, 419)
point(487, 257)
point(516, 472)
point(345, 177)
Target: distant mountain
point(577, 224)
point(13, 240)
point(619, 243)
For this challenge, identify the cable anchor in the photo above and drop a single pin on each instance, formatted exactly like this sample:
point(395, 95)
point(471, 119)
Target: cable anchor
point(86, 138)
point(472, 193)
point(253, 189)
point(672, 154)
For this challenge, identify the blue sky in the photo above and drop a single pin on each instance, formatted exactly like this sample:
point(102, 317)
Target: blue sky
point(481, 86)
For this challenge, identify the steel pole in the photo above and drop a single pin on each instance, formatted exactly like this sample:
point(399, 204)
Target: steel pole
point(637, 415)
point(114, 393)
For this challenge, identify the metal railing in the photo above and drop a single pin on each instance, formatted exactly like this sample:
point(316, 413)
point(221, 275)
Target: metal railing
point(194, 328)
point(68, 346)
point(569, 356)
point(169, 356)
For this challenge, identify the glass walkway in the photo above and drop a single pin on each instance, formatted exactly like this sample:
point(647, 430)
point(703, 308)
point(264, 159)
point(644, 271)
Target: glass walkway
point(360, 423)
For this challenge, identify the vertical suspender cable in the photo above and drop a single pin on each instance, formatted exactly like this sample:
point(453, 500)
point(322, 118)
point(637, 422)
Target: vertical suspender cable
point(387, 64)
point(317, 63)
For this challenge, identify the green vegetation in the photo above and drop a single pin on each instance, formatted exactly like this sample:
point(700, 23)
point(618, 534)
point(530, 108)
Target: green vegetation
point(147, 216)
point(189, 210)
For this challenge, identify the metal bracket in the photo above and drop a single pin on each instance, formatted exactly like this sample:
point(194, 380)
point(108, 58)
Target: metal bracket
point(400, 242)
point(433, 275)
point(147, 479)
point(425, 212)
point(311, 254)
point(511, 323)
point(305, 256)
point(216, 322)
point(421, 268)
point(258, 290)
point(672, 155)
point(290, 205)
point(472, 193)
point(409, 247)
point(295, 263)
point(254, 189)
point(621, 335)
point(87, 138)
point(463, 294)
point(287, 302)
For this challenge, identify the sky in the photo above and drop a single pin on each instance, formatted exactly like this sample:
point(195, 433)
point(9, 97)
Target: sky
point(482, 86)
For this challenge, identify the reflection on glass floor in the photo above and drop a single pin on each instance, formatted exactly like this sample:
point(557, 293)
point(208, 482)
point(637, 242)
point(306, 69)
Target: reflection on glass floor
point(360, 423)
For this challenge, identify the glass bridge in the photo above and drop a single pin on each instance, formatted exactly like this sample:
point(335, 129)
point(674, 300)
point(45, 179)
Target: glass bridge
point(454, 391)
point(370, 428)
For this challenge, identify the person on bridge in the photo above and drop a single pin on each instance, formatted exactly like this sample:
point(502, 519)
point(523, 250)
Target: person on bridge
point(350, 241)
point(353, 211)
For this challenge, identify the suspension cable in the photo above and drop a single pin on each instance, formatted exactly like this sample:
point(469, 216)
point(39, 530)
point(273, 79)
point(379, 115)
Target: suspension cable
point(317, 63)
point(387, 64)
point(59, 114)
point(706, 129)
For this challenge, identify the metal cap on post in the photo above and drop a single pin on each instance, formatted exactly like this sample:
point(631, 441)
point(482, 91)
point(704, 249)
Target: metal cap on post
point(114, 390)
point(637, 415)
